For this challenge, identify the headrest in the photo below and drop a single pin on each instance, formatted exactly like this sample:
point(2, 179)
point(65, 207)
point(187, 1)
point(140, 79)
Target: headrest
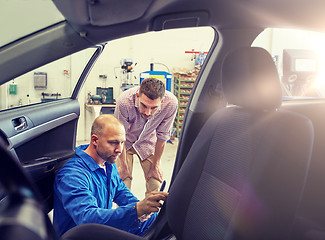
point(250, 79)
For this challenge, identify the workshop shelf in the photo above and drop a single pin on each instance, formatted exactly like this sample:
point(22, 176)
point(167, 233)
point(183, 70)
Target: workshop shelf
point(183, 85)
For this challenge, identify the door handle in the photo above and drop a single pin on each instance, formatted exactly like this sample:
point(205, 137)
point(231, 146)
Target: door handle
point(19, 123)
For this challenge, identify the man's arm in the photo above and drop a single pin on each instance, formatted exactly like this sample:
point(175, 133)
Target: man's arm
point(154, 171)
point(74, 192)
point(148, 205)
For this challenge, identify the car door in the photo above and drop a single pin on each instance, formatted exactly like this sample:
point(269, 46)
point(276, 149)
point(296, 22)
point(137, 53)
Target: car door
point(40, 128)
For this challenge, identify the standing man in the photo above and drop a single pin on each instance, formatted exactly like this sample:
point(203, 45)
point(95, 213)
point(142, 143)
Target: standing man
point(147, 113)
point(89, 183)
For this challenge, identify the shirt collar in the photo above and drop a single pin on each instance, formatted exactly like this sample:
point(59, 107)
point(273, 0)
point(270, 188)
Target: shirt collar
point(88, 160)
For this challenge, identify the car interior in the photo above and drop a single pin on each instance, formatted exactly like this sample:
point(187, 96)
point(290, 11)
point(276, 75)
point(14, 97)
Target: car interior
point(249, 163)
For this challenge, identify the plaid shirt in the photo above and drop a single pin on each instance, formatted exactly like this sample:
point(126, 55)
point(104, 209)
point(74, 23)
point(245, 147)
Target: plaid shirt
point(142, 134)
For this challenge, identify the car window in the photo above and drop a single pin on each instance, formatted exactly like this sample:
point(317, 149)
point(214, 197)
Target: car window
point(299, 56)
point(50, 82)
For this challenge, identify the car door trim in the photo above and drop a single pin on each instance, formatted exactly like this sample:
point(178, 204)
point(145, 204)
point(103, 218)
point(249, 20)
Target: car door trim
point(31, 133)
point(87, 69)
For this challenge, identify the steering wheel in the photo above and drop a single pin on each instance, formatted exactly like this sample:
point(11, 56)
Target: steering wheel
point(21, 212)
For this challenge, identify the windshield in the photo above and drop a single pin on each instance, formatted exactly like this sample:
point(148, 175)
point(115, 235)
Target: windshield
point(19, 18)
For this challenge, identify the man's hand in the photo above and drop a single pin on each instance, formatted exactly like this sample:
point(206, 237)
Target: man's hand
point(155, 172)
point(151, 203)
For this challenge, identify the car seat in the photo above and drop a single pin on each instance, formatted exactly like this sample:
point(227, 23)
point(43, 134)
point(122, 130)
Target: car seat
point(244, 175)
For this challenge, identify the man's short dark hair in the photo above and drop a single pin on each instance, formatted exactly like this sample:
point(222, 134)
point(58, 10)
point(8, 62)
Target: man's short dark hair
point(153, 88)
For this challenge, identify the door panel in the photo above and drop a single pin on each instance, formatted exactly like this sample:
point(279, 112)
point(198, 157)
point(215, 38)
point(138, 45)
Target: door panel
point(46, 141)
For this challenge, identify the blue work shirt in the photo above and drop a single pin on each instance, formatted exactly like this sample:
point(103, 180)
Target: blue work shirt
point(84, 193)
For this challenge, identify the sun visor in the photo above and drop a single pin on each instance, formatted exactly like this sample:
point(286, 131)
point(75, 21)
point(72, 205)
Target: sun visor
point(189, 19)
point(102, 13)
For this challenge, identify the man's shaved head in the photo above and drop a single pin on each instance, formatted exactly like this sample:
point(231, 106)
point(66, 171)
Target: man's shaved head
point(103, 121)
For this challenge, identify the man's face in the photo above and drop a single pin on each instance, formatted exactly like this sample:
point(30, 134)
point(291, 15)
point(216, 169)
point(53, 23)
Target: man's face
point(110, 145)
point(147, 106)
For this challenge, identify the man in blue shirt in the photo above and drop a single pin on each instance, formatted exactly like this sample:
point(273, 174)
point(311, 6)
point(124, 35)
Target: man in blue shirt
point(89, 183)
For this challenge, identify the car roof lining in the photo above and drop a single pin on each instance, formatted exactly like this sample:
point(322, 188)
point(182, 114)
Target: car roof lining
point(101, 21)
point(222, 13)
point(101, 13)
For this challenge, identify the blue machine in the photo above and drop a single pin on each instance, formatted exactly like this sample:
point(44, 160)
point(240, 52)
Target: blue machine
point(161, 75)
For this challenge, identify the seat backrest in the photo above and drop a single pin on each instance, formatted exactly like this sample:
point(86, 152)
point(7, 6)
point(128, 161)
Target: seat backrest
point(245, 172)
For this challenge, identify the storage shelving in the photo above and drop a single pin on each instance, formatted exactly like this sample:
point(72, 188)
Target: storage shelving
point(183, 85)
